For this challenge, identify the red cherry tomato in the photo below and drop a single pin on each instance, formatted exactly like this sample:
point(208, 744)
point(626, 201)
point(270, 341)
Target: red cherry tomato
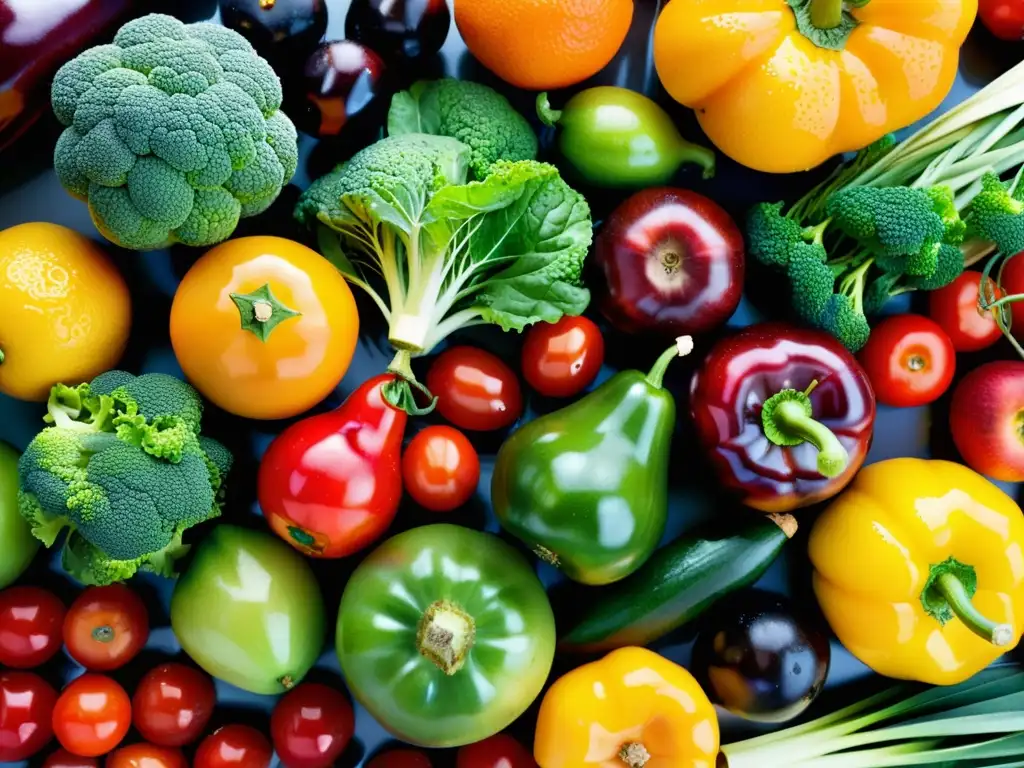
point(401, 758)
point(30, 621)
point(955, 308)
point(440, 468)
point(146, 756)
point(106, 627)
point(1012, 280)
point(234, 746)
point(311, 726)
point(499, 751)
point(26, 714)
point(64, 759)
point(173, 704)
point(561, 359)
point(474, 389)
point(909, 360)
point(1004, 18)
point(92, 715)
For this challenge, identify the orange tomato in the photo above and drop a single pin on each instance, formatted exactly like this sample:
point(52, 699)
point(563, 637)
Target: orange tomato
point(66, 310)
point(264, 327)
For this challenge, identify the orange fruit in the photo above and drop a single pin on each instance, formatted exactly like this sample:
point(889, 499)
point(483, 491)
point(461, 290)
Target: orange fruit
point(65, 311)
point(540, 44)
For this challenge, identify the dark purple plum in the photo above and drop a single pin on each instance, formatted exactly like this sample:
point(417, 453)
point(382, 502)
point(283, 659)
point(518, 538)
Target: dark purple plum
point(406, 29)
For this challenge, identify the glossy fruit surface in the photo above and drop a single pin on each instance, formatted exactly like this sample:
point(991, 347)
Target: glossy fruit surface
point(26, 714)
point(1012, 282)
point(66, 314)
point(673, 263)
point(311, 726)
point(401, 758)
point(277, 28)
point(562, 359)
point(64, 759)
point(475, 390)
point(987, 420)
point(403, 29)
point(340, 81)
point(30, 626)
point(440, 468)
point(106, 627)
point(234, 746)
point(17, 544)
point(910, 361)
point(146, 756)
point(1004, 18)
point(955, 309)
point(92, 715)
point(264, 327)
point(499, 751)
point(172, 705)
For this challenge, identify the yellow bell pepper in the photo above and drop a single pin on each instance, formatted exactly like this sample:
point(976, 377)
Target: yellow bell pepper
point(631, 709)
point(782, 85)
point(919, 569)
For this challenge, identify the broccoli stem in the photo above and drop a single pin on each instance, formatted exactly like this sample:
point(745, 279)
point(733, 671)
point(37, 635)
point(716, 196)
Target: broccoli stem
point(826, 14)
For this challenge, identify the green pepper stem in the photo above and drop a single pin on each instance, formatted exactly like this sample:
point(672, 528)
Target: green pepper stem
point(826, 14)
point(959, 601)
point(399, 392)
point(788, 421)
point(445, 636)
point(698, 155)
point(2, 357)
point(683, 347)
point(547, 115)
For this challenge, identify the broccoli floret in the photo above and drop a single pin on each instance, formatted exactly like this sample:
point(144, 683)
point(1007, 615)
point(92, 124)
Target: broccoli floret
point(770, 235)
point(924, 262)
point(950, 265)
point(811, 281)
point(475, 114)
point(995, 215)
point(844, 320)
point(174, 132)
point(888, 221)
point(944, 204)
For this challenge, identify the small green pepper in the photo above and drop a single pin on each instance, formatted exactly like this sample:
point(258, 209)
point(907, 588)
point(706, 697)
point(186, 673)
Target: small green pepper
point(615, 137)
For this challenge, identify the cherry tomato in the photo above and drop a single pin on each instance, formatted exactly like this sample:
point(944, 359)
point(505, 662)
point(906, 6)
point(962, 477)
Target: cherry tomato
point(234, 746)
point(30, 622)
point(311, 726)
point(440, 468)
point(561, 359)
point(26, 714)
point(955, 308)
point(106, 627)
point(1012, 280)
point(146, 756)
point(1004, 18)
point(173, 704)
point(92, 715)
point(499, 751)
point(474, 389)
point(401, 758)
point(64, 759)
point(909, 360)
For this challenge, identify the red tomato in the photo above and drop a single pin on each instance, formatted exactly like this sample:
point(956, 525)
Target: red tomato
point(474, 389)
point(909, 360)
point(106, 627)
point(26, 714)
point(30, 620)
point(440, 468)
point(1012, 280)
point(146, 756)
point(92, 715)
point(401, 758)
point(499, 751)
point(955, 308)
point(311, 726)
point(173, 704)
point(234, 746)
point(64, 759)
point(561, 359)
point(1004, 18)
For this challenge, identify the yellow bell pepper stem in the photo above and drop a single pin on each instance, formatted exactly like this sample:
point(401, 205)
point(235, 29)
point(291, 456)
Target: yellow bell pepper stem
point(787, 421)
point(826, 14)
point(957, 598)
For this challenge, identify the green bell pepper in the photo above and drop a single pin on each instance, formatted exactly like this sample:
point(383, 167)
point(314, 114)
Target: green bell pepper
point(17, 544)
point(445, 635)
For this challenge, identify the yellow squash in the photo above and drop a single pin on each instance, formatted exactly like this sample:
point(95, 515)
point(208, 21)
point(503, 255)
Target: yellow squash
point(919, 569)
point(782, 85)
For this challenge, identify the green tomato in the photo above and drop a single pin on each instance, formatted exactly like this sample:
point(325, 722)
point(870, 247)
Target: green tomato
point(445, 635)
point(17, 544)
point(249, 611)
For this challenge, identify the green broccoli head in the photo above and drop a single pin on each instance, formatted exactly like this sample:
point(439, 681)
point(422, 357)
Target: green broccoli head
point(888, 221)
point(995, 215)
point(949, 266)
point(944, 204)
point(811, 281)
point(475, 114)
point(174, 133)
point(770, 235)
point(845, 321)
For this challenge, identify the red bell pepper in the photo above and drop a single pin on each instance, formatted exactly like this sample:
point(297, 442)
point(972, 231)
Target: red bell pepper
point(785, 413)
point(330, 485)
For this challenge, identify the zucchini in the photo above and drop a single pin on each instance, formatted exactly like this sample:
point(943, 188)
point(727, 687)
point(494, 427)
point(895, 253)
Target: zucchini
point(680, 581)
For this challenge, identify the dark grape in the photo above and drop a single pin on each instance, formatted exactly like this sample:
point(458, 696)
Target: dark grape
point(341, 80)
point(277, 28)
point(399, 28)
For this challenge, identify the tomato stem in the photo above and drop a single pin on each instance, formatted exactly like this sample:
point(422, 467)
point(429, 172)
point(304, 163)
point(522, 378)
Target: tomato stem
point(445, 636)
point(260, 311)
point(634, 754)
point(104, 634)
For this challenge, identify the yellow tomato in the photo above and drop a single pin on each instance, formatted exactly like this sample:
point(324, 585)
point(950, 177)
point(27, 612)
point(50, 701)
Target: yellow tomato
point(264, 327)
point(65, 313)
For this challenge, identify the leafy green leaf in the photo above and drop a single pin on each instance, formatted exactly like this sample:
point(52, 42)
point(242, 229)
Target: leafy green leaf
point(410, 112)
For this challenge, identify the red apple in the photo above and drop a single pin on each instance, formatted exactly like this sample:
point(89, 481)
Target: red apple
point(987, 420)
point(1012, 282)
point(673, 262)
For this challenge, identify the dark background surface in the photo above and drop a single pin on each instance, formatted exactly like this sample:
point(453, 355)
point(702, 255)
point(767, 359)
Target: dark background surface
point(29, 191)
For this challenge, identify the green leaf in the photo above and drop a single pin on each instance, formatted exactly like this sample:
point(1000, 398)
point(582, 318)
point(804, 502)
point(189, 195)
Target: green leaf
point(413, 111)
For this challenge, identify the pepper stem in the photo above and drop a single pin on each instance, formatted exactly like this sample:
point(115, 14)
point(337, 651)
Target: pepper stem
point(826, 14)
point(683, 347)
point(399, 392)
point(787, 421)
point(697, 155)
point(547, 115)
point(955, 594)
point(2, 357)
point(634, 754)
point(445, 636)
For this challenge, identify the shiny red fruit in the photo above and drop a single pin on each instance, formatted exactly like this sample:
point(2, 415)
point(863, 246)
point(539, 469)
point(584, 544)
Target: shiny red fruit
point(92, 715)
point(909, 360)
point(955, 308)
point(1004, 18)
point(340, 81)
point(106, 627)
point(440, 468)
point(673, 262)
point(401, 758)
point(562, 359)
point(475, 390)
point(64, 759)
point(172, 705)
point(30, 626)
point(987, 420)
point(234, 746)
point(1012, 282)
point(499, 751)
point(26, 714)
point(146, 756)
point(311, 726)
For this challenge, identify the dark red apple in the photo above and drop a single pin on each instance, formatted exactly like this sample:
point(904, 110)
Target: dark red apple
point(987, 420)
point(673, 262)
